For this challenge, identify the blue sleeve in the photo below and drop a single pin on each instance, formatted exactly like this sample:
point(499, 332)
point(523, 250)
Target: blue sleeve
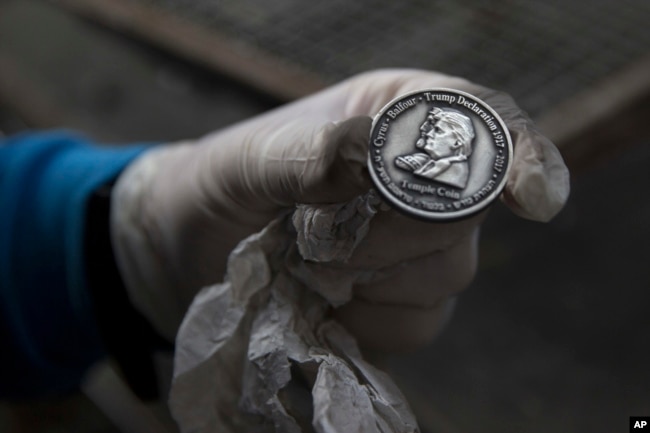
point(48, 334)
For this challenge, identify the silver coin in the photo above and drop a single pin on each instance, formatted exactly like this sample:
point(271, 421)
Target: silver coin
point(439, 154)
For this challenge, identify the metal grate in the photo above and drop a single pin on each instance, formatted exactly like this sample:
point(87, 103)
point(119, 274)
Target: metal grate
point(540, 52)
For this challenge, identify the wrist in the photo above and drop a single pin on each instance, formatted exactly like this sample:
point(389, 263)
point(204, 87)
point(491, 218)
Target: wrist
point(136, 235)
point(128, 337)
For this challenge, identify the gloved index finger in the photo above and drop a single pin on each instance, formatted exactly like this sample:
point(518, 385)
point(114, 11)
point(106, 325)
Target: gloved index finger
point(538, 183)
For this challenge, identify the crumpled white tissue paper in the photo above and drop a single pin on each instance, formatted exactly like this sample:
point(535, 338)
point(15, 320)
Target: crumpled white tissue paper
point(258, 352)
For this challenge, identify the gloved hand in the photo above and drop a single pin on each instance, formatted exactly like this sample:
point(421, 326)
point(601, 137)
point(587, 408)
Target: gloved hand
point(179, 210)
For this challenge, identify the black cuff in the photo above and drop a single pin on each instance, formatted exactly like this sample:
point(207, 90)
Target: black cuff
point(129, 338)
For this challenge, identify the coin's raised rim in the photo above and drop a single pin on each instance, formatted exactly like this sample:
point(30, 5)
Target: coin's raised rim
point(430, 215)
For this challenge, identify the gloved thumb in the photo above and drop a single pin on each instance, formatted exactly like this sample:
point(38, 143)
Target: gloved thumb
point(302, 161)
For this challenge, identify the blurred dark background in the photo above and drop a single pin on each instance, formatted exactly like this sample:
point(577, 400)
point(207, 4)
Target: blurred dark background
point(554, 334)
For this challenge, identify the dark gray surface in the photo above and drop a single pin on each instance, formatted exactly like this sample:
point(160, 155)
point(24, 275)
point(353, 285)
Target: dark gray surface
point(539, 51)
point(114, 88)
point(554, 334)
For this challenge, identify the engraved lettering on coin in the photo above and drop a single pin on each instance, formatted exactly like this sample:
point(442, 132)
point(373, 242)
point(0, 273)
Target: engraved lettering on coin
point(439, 154)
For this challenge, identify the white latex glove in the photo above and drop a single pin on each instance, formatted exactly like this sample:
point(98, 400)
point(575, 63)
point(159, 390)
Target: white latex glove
point(179, 210)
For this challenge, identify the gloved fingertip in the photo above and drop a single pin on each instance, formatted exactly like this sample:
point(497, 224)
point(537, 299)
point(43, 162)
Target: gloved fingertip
point(538, 183)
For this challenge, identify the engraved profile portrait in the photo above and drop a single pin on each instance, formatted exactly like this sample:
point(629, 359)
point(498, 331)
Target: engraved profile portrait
point(446, 138)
